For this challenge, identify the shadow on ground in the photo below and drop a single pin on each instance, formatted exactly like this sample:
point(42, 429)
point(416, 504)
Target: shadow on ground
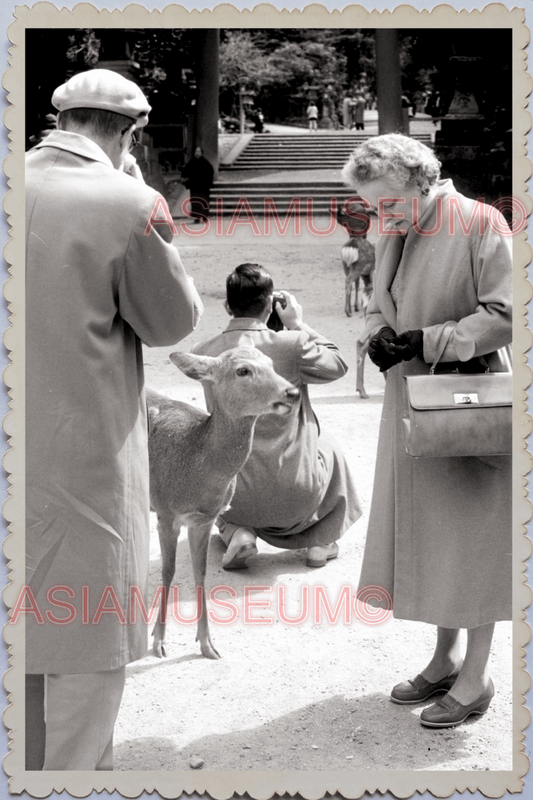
point(368, 732)
point(264, 568)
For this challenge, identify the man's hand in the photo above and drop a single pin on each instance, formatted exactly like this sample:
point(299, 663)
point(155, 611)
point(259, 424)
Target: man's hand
point(292, 314)
point(130, 167)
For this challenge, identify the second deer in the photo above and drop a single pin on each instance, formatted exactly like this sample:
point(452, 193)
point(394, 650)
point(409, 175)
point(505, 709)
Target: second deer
point(195, 458)
point(358, 257)
point(359, 262)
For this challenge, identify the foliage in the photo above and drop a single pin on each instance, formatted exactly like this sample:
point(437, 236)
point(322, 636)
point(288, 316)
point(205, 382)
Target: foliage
point(157, 54)
point(242, 62)
point(280, 68)
point(161, 54)
point(84, 47)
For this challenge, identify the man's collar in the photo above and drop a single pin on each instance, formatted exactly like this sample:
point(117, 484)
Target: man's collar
point(246, 324)
point(75, 143)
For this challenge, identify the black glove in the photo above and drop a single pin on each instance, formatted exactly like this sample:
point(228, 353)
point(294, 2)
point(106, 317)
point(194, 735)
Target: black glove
point(381, 349)
point(409, 344)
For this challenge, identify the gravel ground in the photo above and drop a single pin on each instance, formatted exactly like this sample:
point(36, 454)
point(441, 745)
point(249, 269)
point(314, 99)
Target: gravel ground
point(313, 695)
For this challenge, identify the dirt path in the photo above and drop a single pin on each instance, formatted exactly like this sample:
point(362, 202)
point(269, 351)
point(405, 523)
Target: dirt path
point(313, 695)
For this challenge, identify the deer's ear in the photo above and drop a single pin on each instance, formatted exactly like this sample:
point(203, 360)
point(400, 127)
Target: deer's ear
point(201, 368)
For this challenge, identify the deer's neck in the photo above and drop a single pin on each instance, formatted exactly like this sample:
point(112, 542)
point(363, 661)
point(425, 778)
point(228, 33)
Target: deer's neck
point(230, 440)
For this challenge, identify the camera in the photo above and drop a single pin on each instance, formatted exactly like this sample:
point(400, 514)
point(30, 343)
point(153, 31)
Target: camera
point(277, 297)
point(274, 322)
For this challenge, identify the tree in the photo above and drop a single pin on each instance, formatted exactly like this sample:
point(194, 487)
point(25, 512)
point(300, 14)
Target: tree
point(242, 62)
point(280, 67)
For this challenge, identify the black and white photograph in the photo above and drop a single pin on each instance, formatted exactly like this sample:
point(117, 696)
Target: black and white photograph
point(267, 432)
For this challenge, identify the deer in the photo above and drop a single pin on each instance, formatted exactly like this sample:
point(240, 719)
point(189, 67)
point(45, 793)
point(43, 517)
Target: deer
point(359, 262)
point(358, 258)
point(195, 458)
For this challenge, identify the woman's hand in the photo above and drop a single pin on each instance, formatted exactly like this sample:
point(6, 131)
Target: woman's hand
point(409, 344)
point(381, 349)
point(386, 349)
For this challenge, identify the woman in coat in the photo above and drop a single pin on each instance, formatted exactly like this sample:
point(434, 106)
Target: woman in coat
point(439, 534)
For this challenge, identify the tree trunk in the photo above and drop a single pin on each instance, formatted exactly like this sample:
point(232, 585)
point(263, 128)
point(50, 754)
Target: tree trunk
point(206, 118)
point(389, 82)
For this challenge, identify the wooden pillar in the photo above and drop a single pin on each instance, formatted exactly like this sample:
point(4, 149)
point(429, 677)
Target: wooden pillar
point(206, 116)
point(389, 82)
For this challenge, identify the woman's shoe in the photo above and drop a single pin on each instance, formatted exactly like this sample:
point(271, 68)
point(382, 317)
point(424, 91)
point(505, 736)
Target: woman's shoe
point(448, 711)
point(319, 555)
point(419, 689)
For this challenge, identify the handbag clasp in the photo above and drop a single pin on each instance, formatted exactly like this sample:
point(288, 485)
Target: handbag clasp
point(466, 399)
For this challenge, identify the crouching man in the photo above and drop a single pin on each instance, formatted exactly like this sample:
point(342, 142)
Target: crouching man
point(295, 490)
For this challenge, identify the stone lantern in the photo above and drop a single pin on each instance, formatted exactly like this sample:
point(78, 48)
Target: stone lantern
point(463, 121)
point(246, 98)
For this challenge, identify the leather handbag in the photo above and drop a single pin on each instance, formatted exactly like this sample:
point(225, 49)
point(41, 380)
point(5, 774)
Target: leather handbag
point(458, 414)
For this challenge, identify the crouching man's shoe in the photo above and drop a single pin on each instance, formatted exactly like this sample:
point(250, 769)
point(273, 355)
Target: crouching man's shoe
point(319, 555)
point(242, 546)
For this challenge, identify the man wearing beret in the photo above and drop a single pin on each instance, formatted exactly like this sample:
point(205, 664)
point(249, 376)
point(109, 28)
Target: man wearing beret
point(100, 279)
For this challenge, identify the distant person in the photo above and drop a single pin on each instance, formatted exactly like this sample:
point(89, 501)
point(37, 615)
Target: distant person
point(347, 112)
point(197, 176)
point(359, 113)
point(257, 118)
point(295, 491)
point(434, 105)
point(312, 116)
point(419, 101)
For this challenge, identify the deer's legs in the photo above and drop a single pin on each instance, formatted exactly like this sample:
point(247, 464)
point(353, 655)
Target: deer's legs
point(348, 296)
point(198, 545)
point(168, 540)
point(356, 304)
point(361, 349)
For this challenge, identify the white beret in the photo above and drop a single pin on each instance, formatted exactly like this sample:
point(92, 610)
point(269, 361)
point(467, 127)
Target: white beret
point(105, 89)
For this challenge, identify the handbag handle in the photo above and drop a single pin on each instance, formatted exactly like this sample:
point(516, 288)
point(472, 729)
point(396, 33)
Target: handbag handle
point(443, 341)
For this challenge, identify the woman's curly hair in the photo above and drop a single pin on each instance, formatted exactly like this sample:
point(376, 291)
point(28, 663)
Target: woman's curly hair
point(396, 157)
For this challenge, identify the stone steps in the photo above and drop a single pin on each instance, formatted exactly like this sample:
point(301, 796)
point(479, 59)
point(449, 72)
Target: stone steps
point(306, 198)
point(289, 153)
point(301, 151)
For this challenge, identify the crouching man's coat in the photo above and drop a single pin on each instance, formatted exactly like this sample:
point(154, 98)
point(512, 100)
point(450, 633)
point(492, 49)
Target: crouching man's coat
point(295, 490)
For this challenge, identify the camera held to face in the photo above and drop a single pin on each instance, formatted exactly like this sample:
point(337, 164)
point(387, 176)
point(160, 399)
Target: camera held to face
point(274, 322)
point(278, 297)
